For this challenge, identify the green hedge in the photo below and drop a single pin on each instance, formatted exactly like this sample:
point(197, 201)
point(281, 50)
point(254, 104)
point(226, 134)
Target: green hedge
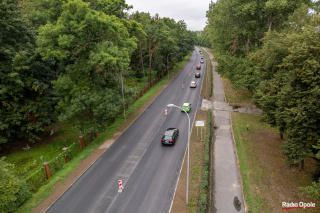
point(203, 197)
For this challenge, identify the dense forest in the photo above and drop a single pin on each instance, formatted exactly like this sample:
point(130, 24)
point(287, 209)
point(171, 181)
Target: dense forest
point(65, 60)
point(271, 47)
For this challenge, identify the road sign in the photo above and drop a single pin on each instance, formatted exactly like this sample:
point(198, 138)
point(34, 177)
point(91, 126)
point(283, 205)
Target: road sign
point(199, 123)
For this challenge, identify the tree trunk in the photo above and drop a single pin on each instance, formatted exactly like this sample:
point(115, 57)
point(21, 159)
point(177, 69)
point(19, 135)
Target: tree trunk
point(270, 23)
point(281, 130)
point(142, 65)
point(301, 165)
point(281, 135)
point(149, 78)
point(150, 55)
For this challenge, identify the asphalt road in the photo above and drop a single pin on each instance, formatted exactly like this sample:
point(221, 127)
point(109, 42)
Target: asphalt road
point(148, 170)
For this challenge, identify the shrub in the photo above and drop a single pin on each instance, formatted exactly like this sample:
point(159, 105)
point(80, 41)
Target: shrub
point(13, 190)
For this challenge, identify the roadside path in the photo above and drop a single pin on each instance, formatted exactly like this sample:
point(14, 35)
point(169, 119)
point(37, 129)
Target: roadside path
point(227, 183)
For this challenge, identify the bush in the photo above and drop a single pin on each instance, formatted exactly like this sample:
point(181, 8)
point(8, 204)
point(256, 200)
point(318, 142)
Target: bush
point(13, 190)
point(203, 197)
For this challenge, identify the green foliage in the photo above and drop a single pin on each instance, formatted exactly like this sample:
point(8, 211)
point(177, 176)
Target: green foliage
point(313, 191)
point(27, 99)
point(95, 48)
point(289, 94)
point(162, 38)
point(203, 196)
point(41, 12)
point(235, 30)
point(13, 190)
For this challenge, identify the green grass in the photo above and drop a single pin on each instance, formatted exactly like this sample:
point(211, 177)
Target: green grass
point(250, 166)
point(28, 161)
point(236, 96)
point(68, 134)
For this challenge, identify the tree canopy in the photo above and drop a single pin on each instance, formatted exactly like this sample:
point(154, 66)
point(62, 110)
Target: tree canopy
point(272, 48)
point(67, 60)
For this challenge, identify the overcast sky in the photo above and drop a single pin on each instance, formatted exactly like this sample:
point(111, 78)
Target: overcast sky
point(193, 12)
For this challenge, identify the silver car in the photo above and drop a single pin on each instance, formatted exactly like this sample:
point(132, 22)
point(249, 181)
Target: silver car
point(193, 84)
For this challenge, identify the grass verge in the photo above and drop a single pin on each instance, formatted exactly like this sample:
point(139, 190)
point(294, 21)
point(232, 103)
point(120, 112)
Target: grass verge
point(198, 171)
point(267, 178)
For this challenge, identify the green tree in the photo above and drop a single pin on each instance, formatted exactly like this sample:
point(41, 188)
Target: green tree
point(95, 48)
point(289, 93)
point(236, 29)
point(13, 190)
point(26, 99)
point(39, 12)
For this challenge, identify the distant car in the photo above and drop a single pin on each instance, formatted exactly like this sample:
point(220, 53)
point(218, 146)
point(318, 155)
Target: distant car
point(193, 84)
point(186, 107)
point(197, 75)
point(199, 67)
point(202, 61)
point(170, 136)
point(202, 57)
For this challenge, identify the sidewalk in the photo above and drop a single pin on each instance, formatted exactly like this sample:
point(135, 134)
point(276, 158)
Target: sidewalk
point(226, 173)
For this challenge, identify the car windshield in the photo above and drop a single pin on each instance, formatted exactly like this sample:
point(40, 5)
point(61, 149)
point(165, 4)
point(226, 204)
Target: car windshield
point(167, 137)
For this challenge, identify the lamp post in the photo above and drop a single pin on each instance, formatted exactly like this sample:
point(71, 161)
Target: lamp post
point(187, 192)
point(167, 63)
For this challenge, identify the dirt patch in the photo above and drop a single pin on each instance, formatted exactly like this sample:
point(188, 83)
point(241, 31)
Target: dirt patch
point(195, 171)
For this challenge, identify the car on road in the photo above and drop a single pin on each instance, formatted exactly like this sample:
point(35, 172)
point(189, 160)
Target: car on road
point(199, 67)
point(197, 75)
point(202, 61)
point(193, 84)
point(202, 57)
point(186, 107)
point(170, 136)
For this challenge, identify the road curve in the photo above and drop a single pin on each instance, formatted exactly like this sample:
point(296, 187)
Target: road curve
point(148, 170)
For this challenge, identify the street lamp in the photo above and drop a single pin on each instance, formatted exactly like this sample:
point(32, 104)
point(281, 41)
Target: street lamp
point(167, 63)
point(187, 192)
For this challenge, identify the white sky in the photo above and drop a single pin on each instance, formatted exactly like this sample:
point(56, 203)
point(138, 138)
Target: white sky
point(193, 12)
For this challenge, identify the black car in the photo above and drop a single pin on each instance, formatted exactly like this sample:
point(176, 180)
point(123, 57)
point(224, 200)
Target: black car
point(170, 136)
point(197, 75)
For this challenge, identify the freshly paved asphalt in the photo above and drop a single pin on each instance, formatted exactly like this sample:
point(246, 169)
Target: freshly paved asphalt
point(148, 170)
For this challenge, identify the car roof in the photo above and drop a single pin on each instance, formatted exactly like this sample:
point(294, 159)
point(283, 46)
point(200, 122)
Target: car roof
point(193, 82)
point(185, 104)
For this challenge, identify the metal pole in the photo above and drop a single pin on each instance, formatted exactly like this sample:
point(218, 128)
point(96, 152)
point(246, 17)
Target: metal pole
point(188, 147)
point(188, 159)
